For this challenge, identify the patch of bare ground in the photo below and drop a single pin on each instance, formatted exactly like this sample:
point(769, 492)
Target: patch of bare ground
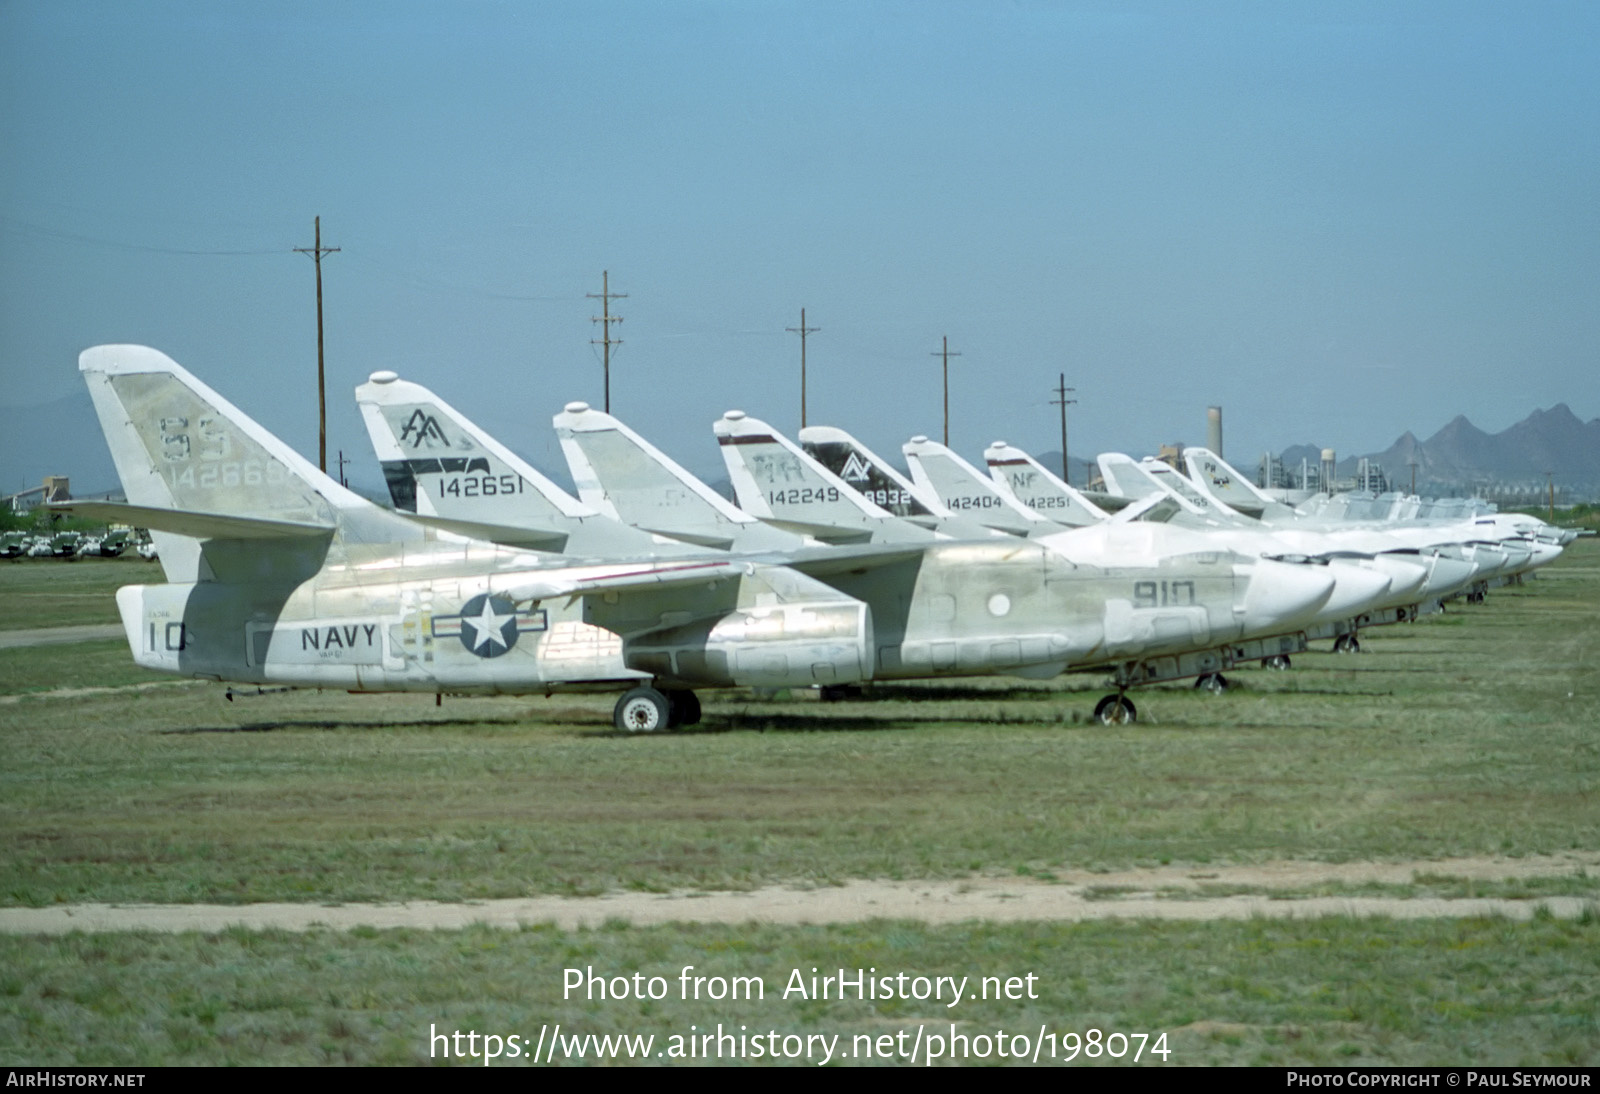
point(1068, 898)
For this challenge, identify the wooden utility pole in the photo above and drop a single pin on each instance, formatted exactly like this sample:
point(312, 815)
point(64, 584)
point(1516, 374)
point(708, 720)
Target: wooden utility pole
point(316, 251)
point(946, 354)
point(802, 330)
point(605, 318)
point(1063, 402)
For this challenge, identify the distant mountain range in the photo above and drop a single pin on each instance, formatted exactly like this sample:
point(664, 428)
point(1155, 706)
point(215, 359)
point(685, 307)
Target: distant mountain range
point(1462, 458)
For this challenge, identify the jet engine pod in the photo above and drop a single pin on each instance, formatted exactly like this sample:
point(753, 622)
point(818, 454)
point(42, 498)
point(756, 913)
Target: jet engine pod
point(791, 644)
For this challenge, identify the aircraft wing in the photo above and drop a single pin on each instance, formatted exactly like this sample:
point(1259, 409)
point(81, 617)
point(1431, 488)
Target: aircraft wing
point(617, 576)
point(843, 558)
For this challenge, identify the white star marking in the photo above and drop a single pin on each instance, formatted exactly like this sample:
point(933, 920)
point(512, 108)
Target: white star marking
point(488, 625)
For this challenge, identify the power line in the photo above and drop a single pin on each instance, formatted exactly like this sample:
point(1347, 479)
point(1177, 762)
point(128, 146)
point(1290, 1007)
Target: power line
point(56, 233)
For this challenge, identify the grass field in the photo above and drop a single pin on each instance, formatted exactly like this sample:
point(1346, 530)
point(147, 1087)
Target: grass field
point(1331, 991)
point(1471, 733)
point(53, 592)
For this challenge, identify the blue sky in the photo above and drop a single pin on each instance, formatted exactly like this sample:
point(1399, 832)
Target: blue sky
point(1338, 221)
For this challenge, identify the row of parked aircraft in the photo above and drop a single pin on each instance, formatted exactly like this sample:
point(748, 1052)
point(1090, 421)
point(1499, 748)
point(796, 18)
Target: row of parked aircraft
point(833, 570)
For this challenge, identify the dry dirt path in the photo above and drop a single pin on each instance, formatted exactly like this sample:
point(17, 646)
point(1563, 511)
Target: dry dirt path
point(1136, 894)
point(54, 636)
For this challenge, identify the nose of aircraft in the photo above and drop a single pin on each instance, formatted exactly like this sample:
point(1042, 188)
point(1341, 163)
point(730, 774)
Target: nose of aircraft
point(1408, 576)
point(1358, 588)
point(1491, 560)
point(1282, 596)
point(1543, 553)
point(1518, 555)
point(1448, 575)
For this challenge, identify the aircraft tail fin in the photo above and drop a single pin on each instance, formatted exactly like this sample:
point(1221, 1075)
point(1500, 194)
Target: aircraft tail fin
point(871, 476)
point(1216, 478)
point(1123, 476)
point(1139, 480)
point(778, 481)
point(624, 476)
point(183, 450)
point(1026, 480)
point(1185, 489)
point(963, 489)
point(451, 473)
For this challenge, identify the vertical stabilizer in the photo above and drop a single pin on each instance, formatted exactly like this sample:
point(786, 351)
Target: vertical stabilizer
point(624, 476)
point(1036, 488)
point(1128, 478)
point(963, 489)
point(445, 469)
point(777, 481)
point(180, 446)
point(1218, 479)
point(883, 485)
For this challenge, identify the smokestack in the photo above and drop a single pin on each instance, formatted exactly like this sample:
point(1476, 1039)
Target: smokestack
point(1214, 429)
point(1327, 470)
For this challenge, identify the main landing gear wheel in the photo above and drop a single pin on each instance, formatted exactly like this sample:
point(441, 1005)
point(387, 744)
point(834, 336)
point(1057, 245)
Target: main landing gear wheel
point(683, 708)
point(1347, 643)
point(1116, 710)
point(1214, 682)
point(642, 710)
point(1279, 662)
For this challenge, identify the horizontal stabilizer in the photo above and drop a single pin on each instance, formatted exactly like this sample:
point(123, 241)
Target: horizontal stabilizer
point(192, 523)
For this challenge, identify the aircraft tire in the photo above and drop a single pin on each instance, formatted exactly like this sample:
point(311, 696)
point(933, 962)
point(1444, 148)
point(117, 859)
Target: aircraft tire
point(1279, 662)
point(1214, 682)
point(1116, 710)
point(642, 710)
point(683, 708)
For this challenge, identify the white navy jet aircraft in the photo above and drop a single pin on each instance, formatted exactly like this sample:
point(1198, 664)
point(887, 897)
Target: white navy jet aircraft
point(276, 574)
point(1158, 613)
point(1362, 586)
point(938, 605)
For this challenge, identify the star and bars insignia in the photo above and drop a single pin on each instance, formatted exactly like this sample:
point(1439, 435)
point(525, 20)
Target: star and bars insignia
point(488, 625)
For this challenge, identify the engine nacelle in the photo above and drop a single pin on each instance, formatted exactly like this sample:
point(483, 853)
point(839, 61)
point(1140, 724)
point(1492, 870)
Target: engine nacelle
point(792, 644)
